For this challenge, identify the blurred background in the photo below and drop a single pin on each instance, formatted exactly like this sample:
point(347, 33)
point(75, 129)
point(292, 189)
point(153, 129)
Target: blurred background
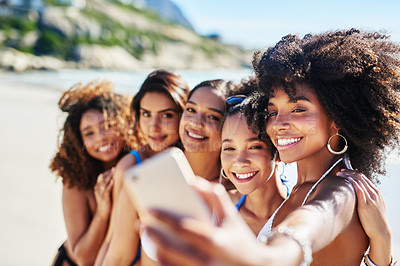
point(46, 46)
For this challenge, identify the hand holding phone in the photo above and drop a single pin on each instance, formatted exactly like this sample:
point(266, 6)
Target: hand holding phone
point(163, 182)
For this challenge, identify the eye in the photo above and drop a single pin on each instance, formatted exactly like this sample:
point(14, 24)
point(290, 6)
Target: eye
point(167, 115)
point(146, 114)
point(88, 133)
point(256, 147)
point(214, 118)
point(272, 113)
point(190, 110)
point(228, 149)
point(298, 110)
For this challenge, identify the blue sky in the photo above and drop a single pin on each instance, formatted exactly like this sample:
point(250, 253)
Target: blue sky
point(260, 23)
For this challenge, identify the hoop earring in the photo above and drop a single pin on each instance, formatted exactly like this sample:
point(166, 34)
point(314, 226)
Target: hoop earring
point(223, 173)
point(328, 145)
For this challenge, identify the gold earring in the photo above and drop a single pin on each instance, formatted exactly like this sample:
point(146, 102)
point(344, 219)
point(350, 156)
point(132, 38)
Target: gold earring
point(328, 145)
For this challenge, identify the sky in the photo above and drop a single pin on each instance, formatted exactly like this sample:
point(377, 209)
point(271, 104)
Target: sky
point(257, 24)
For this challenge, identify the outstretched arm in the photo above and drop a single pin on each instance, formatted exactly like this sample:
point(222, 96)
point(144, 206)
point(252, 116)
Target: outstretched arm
point(198, 243)
point(372, 212)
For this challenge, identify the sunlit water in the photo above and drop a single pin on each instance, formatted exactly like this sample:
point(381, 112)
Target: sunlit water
point(129, 82)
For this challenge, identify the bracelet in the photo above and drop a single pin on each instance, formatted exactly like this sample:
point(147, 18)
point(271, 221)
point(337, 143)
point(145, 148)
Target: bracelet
point(304, 244)
point(368, 261)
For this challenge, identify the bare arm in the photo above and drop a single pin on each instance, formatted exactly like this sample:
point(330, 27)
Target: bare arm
point(332, 208)
point(85, 234)
point(123, 164)
point(372, 212)
point(124, 243)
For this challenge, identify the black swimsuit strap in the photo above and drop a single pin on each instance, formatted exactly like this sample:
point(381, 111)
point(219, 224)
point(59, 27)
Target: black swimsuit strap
point(63, 256)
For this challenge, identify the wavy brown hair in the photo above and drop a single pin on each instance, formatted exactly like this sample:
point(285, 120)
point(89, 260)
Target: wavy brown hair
point(72, 162)
point(356, 77)
point(161, 81)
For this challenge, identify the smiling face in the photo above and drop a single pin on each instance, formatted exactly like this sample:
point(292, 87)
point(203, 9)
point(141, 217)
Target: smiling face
point(101, 143)
point(159, 120)
point(298, 127)
point(200, 123)
point(245, 158)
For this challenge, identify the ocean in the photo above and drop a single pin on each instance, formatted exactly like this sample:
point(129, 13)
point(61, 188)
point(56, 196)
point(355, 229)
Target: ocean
point(129, 82)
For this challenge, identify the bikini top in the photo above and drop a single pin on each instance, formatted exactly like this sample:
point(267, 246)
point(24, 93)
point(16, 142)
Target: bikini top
point(138, 161)
point(268, 226)
point(241, 202)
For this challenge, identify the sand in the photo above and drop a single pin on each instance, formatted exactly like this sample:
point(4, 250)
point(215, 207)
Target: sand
point(31, 223)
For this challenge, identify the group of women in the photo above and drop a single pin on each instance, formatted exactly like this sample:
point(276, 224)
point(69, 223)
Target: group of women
point(327, 102)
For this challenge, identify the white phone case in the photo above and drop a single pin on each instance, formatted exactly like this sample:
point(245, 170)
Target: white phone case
point(162, 181)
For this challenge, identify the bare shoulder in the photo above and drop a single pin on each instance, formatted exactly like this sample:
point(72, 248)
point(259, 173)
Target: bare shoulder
point(74, 193)
point(125, 162)
point(335, 188)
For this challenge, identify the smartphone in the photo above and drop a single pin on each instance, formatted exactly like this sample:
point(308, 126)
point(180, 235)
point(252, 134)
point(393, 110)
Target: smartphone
point(163, 181)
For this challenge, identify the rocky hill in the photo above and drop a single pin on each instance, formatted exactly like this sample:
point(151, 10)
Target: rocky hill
point(110, 35)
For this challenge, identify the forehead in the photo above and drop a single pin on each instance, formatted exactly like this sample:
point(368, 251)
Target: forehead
point(91, 117)
point(208, 97)
point(156, 101)
point(295, 93)
point(235, 126)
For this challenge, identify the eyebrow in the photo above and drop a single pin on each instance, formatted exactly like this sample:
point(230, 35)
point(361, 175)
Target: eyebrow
point(299, 98)
point(210, 108)
point(294, 100)
point(247, 140)
point(161, 111)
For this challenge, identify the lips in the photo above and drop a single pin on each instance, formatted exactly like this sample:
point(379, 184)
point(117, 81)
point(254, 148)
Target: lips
point(106, 147)
point(245, 176)
point(284, 143)
point(157, 138)
point(196, 136)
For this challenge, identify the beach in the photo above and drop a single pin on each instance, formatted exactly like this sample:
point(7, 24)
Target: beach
point(32, 225)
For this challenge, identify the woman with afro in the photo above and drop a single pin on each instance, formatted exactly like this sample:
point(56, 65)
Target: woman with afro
point(332, 102)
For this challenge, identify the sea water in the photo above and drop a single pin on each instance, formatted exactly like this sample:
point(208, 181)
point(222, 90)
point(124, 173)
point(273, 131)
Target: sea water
point(128, 82)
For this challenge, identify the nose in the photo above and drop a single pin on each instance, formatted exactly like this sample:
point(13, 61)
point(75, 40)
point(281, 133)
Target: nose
point(281, 122)
point(242, 160)
point(197, 121)
point(103, 134)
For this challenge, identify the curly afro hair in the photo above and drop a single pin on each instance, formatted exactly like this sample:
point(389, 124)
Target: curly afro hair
point(72, 162)
point(356, 77)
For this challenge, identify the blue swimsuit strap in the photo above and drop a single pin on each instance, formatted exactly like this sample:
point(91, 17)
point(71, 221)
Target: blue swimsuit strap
point(137, 156)
point(138, 161)
point(138, 255)
point(240, 202)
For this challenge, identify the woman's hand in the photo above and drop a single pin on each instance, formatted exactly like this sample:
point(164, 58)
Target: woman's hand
point(188, 241)
point(102, 193)
point(372, 212)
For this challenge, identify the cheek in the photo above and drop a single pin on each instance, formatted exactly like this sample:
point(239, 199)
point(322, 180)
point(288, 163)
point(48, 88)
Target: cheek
point(143, 125)
point(87, 143)
point(171, 125)
point(308, 124)
point(269, 128)
point(226, 160)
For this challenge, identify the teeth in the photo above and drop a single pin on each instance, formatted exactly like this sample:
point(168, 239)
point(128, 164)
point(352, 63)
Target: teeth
point(195, 136)
point(244, 176)
point(283, 142)
point(104, 148)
